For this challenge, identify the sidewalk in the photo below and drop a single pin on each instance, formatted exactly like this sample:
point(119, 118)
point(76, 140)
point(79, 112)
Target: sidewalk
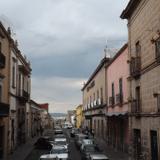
point(23, 151)
point(110, 152)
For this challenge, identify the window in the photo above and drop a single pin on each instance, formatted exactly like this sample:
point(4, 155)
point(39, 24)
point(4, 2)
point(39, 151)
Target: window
point(112, 93)
point(0, 47)
point(97, 94)
point(94, 96)
point(138, 49)
point(101, 93)
point(13, 72)
point(137, 99)
point(120, 86)
point(0, 93)
point(157, 43)
point(158, 103)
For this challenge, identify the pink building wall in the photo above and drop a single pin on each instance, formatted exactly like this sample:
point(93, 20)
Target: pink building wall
point(119, 68)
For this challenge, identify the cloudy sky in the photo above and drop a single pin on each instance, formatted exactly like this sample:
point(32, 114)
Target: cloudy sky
point(64, 40)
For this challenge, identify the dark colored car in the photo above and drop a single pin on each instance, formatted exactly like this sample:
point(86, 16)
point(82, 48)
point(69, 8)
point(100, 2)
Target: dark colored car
point(74, 131)
point(79, 138)
point(43, 143)
point(89, 149)
point(58, 131)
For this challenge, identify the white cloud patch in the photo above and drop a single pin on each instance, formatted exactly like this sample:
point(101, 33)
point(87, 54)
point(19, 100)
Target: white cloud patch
point(60, 92)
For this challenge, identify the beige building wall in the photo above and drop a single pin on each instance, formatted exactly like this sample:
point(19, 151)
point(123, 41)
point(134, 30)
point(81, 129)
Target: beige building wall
point(144, 27)
point(94, 100)
point(4, 82)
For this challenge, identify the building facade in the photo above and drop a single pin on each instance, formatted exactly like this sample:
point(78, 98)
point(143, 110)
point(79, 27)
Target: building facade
point(94, 100)
point(4, 90)
point(35, 119)
point(118, 92)
point(144, 55)
point(79, 116)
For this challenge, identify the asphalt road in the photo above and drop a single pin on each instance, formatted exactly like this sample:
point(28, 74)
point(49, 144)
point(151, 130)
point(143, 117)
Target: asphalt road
point(74, 153)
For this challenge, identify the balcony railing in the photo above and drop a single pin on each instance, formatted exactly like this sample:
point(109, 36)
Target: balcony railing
point(111, 101)
point(135, 106)
point(119, 98)
point(2, 60)
point(24, 96)
point(135, 67)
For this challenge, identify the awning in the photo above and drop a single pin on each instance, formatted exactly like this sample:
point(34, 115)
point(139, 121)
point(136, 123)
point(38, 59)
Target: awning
point(4, 109)
point(110, 114)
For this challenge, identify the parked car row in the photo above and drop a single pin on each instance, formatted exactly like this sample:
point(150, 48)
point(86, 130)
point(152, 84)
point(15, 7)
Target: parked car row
point(87, 146)
point(58, 147)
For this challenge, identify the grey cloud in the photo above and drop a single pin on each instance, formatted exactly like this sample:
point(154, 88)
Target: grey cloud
point(65, 38)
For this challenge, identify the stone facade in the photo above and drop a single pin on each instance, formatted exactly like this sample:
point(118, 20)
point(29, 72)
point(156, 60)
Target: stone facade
point(94, 100)
point(144, 43)
point(4, 90)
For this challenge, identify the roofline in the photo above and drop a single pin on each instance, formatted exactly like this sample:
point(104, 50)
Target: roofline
point(128, 11)
point(118, 54)
point(103, 61)
point(32, 101)
point(11, 41)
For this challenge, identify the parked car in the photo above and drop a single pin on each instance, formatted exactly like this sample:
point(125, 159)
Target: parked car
point(60, 142)
point(88, 150)
point(62, 156)
point(57, 149)
point(59, 136)
point(74, 131)
point(98, 157)
point(67, 125)
point(86, 142)
point(43, 143)
point(58, 131)
point(79, 138)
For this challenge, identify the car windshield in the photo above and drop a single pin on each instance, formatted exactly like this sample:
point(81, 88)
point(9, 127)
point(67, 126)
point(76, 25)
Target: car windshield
point(59, 150)
point(60, 143)
point(90, 149)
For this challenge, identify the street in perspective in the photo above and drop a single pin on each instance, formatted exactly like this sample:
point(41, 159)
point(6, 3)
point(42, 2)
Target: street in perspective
point(80, 80)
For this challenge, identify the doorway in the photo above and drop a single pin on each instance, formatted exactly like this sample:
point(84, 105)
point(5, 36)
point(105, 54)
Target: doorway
point(1, 141)
point(154, 145)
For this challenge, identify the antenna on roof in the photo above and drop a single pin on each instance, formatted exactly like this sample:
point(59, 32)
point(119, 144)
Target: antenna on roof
point(106, 53)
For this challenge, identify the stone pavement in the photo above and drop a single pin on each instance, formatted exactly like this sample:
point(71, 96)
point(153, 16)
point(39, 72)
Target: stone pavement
point(111, 153)
point(23, 151)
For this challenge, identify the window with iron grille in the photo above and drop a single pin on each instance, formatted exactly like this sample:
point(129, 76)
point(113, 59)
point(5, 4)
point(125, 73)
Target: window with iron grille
point(138, 49)
point(157, 45)
point(121, 89)
point(113, 92)
point(158, 103)
point(0, 93)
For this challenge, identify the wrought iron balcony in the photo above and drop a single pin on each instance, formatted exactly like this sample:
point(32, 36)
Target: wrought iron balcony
point(135, 67)
point(24, 96)
point(135, 106)
point(119, 98)
point(2, 60)
point(111, 101)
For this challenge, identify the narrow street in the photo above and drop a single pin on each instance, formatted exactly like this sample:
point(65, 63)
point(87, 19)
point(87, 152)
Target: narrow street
point(74, 153)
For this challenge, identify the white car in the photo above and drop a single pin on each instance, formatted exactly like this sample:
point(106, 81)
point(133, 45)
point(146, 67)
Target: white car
point(98, 157)
point(62, 156)
point(60, 142)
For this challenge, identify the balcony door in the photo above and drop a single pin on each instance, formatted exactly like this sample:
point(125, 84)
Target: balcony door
point(137, 143)
point(1, 141)
point(154, 145)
